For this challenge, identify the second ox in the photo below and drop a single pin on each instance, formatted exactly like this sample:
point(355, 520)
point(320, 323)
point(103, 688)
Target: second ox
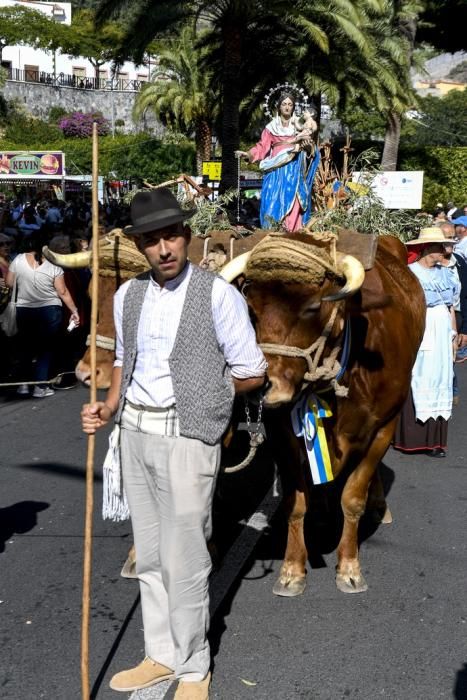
point(119, 259)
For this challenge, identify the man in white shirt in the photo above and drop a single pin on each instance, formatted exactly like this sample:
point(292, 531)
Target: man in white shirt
point(184, 346)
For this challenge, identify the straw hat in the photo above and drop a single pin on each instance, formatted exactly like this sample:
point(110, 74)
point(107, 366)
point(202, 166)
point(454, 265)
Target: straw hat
point(431, 234)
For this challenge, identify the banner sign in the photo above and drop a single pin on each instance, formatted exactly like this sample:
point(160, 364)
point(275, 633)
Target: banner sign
point(251, 183)
point(43, 164)
point(401, 189)
point(213, 169)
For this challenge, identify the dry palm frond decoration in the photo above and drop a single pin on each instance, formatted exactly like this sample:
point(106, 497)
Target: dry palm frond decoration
point(341, 203)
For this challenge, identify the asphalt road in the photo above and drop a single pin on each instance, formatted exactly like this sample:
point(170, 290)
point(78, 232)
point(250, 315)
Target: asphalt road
point(405, 639)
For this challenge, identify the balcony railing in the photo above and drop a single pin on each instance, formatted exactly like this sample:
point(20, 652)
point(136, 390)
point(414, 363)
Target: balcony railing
point(74, 81)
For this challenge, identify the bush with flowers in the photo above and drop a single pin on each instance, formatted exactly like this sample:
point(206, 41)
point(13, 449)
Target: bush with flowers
point(79, 124)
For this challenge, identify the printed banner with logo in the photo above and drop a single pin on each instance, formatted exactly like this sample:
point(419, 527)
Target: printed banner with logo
point(43, 164)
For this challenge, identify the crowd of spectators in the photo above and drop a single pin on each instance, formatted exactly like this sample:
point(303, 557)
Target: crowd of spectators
point(43, 348)
point(438, 257)
point(47, 297)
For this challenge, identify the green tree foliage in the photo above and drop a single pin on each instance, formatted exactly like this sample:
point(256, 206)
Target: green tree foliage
point(363, 122)
point(181, 93)
point(440, 121)
point(445, 173)
point(84, 40)
point(20, 128)
point(125, 156)
point(21, 25)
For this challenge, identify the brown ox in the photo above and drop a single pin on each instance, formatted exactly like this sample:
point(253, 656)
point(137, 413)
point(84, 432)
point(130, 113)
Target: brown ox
point(386, 310)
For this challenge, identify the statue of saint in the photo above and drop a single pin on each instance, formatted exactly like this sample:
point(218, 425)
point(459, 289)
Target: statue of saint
point(289, 158)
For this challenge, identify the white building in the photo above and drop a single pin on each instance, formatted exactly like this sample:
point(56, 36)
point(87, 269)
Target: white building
point(35, 65)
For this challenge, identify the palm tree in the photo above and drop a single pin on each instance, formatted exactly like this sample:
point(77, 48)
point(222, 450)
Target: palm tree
point(274, 39)
point(181, 93)
point(405, 26)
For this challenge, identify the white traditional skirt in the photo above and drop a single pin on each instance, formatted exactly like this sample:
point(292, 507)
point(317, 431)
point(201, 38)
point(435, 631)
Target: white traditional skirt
point(432, 373)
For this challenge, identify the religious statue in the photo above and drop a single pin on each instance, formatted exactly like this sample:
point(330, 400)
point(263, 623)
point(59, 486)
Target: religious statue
point(288, 157)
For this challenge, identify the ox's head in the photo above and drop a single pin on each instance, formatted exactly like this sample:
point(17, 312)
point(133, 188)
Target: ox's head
point(296, 291)
point(119, 259)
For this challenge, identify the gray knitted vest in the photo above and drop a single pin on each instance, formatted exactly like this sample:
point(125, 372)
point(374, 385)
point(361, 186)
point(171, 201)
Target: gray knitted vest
point(201, 380)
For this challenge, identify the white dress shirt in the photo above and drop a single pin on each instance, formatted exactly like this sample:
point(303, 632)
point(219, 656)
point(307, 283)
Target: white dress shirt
point(151, 383)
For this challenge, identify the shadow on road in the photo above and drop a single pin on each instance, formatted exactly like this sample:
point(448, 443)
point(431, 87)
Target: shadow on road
point(18, 519)
point(460, 688)
point(58, 469)
point(113, 649)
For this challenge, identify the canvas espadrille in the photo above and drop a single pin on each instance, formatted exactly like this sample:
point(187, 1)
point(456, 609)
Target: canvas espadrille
point(147, 673)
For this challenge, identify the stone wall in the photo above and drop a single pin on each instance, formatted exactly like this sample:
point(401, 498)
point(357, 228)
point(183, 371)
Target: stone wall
point(38, 99)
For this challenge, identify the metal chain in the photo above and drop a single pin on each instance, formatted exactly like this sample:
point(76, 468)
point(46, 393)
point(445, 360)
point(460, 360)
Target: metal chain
point(247, 414)
point(257, 436)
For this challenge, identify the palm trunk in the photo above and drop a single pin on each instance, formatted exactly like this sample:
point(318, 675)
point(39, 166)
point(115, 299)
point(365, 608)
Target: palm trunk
point(203, 144)
point(391, 142)
point(407, 27)
point(230, 104)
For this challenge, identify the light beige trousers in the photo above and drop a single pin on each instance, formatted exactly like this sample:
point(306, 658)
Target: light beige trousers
point(169, 482)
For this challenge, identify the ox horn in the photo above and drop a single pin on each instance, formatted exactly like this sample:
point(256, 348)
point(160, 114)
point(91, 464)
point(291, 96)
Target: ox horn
point(352, 270)
point(68, 260)
point(235, 267)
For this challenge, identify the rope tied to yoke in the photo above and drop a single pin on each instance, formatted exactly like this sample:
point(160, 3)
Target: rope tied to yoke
point(302, 261)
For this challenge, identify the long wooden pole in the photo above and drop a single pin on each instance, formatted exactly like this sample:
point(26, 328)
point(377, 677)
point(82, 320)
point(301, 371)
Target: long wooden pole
point(91, 438)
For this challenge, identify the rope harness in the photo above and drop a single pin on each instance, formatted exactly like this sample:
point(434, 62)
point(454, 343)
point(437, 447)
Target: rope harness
point(257, 437)
point(308, 262)
point(330, 368)
point(102, 341)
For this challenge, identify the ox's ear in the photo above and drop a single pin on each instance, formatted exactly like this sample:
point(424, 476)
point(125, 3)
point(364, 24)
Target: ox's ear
point(235, 267)
point(354, 273)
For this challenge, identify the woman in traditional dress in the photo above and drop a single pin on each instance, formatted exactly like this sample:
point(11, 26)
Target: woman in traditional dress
point(289, 159)
point(423, 423)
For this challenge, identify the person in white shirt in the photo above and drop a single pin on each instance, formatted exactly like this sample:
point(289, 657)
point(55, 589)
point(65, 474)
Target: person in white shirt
point(184, 346)
point(41, 291)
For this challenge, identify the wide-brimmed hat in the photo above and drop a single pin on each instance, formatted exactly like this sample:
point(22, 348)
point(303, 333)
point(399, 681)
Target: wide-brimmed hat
point(5, 239)
point(431, 234)
point(155, 209)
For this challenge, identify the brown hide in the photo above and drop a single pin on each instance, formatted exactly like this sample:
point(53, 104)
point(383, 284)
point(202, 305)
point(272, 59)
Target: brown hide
point(105, 327)
point(387, 319)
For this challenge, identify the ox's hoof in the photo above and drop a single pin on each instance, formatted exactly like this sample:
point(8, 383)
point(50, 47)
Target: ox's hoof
point(289, 586)
point(351, 584)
